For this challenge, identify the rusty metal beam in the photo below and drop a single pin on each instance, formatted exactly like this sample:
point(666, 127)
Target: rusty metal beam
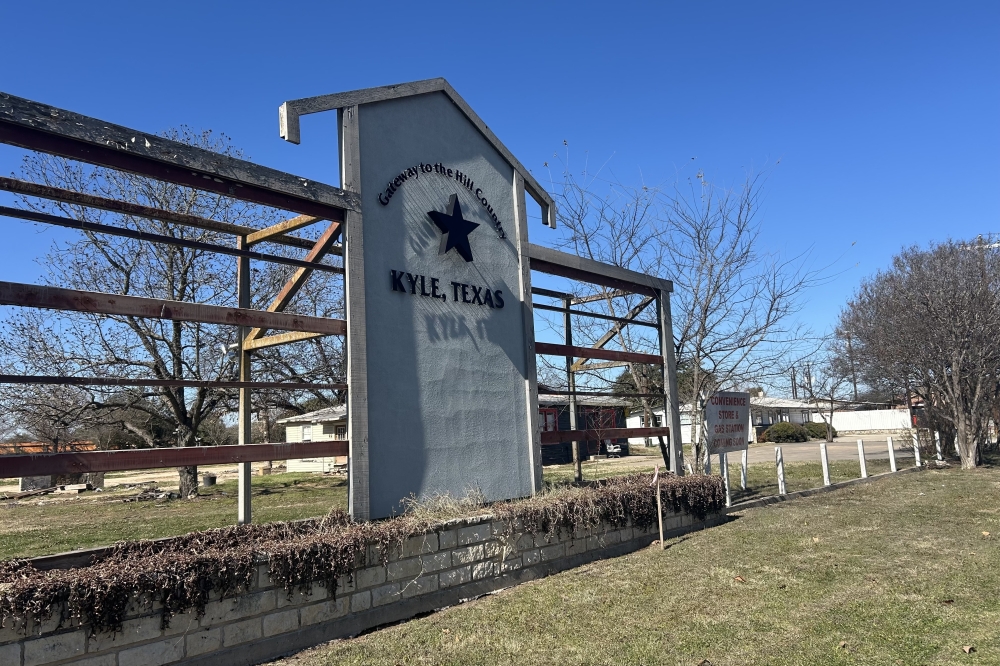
point(70, 223)
point(57, 131)
point(57, 298)
point(279, 339)
point(281, 228)
point(13, 466)
point(563, 436)
point(589, 352)
point(298, 278)
point(137, 210)
point(191, 383)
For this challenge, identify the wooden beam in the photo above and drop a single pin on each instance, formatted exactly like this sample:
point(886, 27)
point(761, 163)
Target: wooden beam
point(562, 436)
point(607, 337)
point(288, 291)
point(614, 293)
point(571, 266)
point(598, 366)
point(281, 228)
point(622, 321)
point(57, 298)
point(43, 464)
point(156, 383)
point(589, 352)
point(539, 291)
point(126, 208)
point(56, 131)
point(279, 339)
point(124, 232)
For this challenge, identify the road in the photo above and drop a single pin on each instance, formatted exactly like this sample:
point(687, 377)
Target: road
point(842, 448)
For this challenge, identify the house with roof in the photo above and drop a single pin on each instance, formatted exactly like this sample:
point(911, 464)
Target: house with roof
point(321, 425)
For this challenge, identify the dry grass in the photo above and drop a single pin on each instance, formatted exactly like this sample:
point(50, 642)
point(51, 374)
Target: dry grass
point(898, 571)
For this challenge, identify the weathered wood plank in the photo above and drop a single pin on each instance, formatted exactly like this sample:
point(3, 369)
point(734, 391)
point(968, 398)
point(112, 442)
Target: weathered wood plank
point(294, 283)
point(281, 228)
point(43, 464)
point(589, 352)
point(534, 451)
point(137, 210)
point(610, 334)
point(37, 126)
point(57, 298)
point(156, 383)
point(554, 262)
point(123, 232)
point(279, 339)
point(359, 500)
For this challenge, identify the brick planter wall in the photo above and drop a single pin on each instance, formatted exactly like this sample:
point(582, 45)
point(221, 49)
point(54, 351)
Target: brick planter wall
point(456, 561)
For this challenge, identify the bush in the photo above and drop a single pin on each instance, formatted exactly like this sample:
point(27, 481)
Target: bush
point(786, 432)
point(817, 430)
point(181, 573)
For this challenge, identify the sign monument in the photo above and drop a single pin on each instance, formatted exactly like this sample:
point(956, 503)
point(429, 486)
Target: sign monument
point(440, 364)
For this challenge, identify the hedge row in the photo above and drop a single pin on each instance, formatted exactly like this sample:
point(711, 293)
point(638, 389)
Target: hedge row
point(181, 573)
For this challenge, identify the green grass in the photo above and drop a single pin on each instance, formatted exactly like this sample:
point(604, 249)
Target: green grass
point(55, 524)
point(898, 570)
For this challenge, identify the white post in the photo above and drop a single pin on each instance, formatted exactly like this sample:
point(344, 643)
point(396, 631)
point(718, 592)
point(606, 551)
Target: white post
point(825, 459)
point(743, 470)
point(724, 466)
point(916, 450)
point(861, 459)
point(892, 455)
point(780, 464)
point(937, 445)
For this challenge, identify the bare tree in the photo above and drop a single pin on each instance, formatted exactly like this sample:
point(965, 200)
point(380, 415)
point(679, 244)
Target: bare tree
point(117, 346)
point(827, 380)
point(928, 325)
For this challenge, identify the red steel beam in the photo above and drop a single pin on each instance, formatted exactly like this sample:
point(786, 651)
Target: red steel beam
point(57, 298)
point(590, 352)
point(43, 464)
point(560, 436)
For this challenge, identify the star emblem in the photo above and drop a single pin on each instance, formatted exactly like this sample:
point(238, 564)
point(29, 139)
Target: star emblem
point(455, 228)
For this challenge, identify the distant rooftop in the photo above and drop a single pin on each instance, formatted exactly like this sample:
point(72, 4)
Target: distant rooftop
point(319, 416)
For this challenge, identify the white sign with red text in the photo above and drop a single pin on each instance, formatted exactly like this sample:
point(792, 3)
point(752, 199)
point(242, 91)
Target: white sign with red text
point(727, 419)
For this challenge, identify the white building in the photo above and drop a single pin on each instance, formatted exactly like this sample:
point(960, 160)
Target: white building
point(766, 411)
point(322, 425)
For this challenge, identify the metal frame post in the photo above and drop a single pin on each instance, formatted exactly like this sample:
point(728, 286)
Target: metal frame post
point(571, 383)
point(825, 459)
point(244, 501)
point(743, 469)
point(779, 463)
point(671, 407)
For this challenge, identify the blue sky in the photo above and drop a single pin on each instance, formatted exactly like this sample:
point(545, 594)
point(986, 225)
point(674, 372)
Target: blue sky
point(884, 115)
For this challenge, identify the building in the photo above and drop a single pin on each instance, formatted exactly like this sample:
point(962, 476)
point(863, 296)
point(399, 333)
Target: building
point(766, 411)
point(592, 413)
point(322, 425)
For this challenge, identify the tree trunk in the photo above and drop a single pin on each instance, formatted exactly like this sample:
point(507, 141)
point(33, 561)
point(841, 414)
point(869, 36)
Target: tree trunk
point(968, 447)
point(189, 481)
point(188, 475)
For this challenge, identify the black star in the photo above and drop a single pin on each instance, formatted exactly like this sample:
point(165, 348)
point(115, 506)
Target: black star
point(455, 228)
